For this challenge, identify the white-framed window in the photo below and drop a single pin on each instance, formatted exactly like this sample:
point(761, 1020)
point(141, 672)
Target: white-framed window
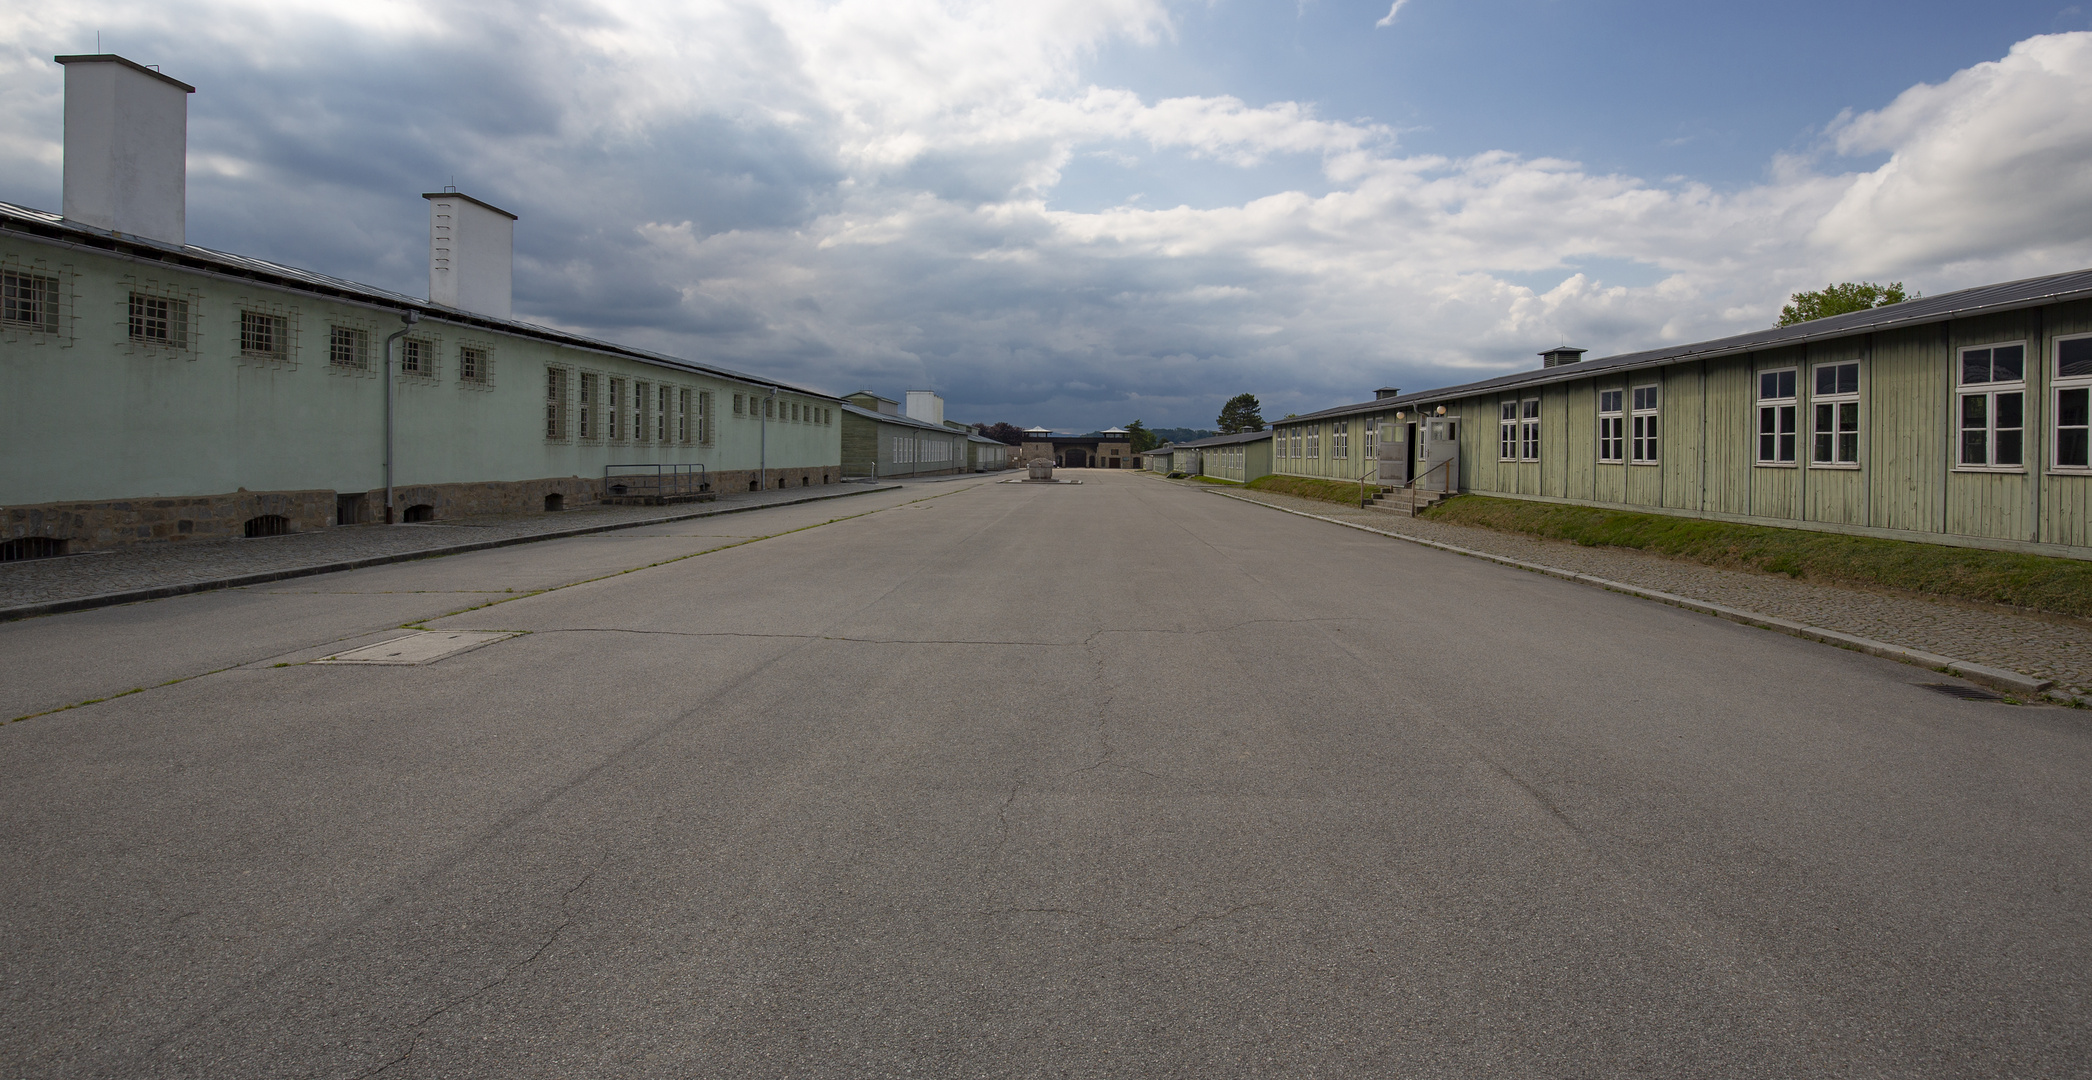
point(663, 398)
point(348, 347)
point(555, 403)
point(1642, 448)
point(160, 322)
point(1778, 412)
point(1314, 441)
point(1834, 399)
point(740, 405)
point(1529, 429)
point(585, 406)
point(642, 411)
point(683, 417)
point(1991, 411)
point(2073, 404)
point(1507, 432)
point(1612, 426)
point(614, 414)
point(264, 335)
point(29, 301)
point(417, 358)
point(1372, 440)
point(1340, 439)
point(475, 366)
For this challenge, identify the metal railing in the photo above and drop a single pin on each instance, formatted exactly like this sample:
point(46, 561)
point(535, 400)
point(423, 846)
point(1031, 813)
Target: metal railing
point(1411, 485)
point(655, 483)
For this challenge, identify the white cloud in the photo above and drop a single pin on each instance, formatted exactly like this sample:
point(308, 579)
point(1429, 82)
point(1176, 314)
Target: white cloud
point(862, 194)
point(1389, 18)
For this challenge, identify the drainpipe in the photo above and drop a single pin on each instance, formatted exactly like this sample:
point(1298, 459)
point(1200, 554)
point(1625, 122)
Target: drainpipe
point(410, 318)
point(762, 460)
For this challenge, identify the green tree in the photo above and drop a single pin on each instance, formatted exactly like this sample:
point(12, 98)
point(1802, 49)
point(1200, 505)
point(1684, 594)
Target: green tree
point(1142, 439)
point(1241, 413)
point(1841, 298)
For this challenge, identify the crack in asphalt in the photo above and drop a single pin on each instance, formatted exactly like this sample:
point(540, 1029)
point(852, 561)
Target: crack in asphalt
point(418, 1026)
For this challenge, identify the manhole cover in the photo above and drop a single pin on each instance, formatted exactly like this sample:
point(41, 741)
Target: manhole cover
point(421, 647)
point(1965, 693)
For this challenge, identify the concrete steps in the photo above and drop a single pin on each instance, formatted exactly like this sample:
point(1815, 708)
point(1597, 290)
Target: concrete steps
point(1408, 502)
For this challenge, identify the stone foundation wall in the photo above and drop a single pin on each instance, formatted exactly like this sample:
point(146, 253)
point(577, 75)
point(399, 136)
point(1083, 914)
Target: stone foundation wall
point(115, 523)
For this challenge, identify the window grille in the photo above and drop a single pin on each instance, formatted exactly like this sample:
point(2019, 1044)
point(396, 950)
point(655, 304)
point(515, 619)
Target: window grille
point(348, 347)
point(1993, 407)
point(474, 365)
point(555, 403)
point(2073, 411)
point(683, 416)
point(29, 300)
point(1777, 413)
point(1612, 426)
point(661, 415)
point(159, 320)
point(1644, 446)
point(1836, 403)
point(616, 411)
point(705, 433)
point(585, 407)
point(641, 411)
point(417, 357)
point(264, 335)
point(740, 405)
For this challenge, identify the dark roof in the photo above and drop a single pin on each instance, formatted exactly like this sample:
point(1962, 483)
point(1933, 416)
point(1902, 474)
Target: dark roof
point(467, 198)
point(55, 229)
point(1964, 303)
point(1230, 440)
point(902, 421)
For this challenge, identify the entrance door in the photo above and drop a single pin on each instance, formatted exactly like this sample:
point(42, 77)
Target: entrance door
point(1441, 445)
point(1392, 462)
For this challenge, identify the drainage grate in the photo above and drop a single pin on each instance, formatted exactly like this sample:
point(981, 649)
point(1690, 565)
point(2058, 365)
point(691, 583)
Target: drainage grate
point(421, 647)
point(1965, 693)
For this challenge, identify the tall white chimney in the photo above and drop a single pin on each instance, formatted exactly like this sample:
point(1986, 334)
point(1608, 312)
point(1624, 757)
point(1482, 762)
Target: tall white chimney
point(471, 254)
point(126, 147)
point(926, 406)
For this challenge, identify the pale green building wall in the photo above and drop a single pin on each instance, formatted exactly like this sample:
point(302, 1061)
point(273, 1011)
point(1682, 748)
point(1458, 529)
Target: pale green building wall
point(88, 414)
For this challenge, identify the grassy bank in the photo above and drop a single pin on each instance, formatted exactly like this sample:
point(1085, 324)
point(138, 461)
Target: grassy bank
point(1336, 491)
point(2000, 577)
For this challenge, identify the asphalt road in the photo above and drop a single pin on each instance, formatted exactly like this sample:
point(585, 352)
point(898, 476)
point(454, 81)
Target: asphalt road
point(1116, 779)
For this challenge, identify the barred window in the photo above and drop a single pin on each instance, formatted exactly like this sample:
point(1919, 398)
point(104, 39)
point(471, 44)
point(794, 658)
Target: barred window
point(617, 409)
point(740, 405)
point(472, 364)
point(555, 403)
point(661, 415)
point(683, 416)
point(264, 335)
point(29, 300)
point(587, 403)
point(417, 357)
point(348, 347)
point(641, 402)
point(159, 320)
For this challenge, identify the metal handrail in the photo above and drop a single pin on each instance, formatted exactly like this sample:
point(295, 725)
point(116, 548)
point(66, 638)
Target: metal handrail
point(656, 481)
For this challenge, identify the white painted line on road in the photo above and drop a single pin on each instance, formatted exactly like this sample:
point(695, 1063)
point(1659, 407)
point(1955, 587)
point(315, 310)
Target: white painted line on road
point(2011, 681)
point(420, 647)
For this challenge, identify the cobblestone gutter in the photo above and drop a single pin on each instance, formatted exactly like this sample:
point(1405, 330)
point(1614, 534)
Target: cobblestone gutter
point(2037, 648)
point(149, 572)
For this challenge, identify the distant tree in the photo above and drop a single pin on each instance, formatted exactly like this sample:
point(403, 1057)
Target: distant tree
point(1241, 413)
point(1142, 439)
point(1002, 433)
point(1183, 434)
point(1842, 298)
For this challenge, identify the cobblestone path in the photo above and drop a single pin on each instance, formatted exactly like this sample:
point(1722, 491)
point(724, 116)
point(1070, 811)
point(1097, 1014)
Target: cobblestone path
point(150, 566)
point(2051, 647)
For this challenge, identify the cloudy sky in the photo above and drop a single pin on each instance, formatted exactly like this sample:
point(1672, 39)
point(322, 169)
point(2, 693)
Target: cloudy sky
point(1080, 212)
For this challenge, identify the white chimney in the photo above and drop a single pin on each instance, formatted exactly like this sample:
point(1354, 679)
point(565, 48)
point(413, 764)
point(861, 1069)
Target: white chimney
point(471, 254)
point(926, 406)
point(126, 147)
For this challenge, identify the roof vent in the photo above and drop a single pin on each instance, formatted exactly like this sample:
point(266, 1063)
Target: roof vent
point(126, 147)
point(471, 254)
point(1387, 392)
point(1560, 356)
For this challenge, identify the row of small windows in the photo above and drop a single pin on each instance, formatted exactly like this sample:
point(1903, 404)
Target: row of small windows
point(909, 450)
point(608, 407)
point(163, 322)
point(769, 408)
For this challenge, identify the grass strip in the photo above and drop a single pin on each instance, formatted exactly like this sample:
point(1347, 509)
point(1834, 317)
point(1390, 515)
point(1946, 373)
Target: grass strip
point(1336, 491)
point(2039, 582)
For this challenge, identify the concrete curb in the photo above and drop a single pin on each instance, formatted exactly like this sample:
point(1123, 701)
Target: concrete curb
point(184, 588)
point(1997, 678)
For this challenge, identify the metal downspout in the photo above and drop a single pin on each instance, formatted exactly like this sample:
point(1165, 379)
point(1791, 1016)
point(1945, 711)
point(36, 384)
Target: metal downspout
point(410, 318)
point(762, 458)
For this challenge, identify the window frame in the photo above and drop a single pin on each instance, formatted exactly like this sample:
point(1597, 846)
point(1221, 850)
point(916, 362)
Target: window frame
point(1529, 429)
point(1990, 391)
point(1645, 426)
point(1507, 430)
point(1313, 451)
point(281, 330)
point(1612, 426)
point(356, 351)
point(1819, 401)
point(181, 316)
point(2058, 385)
point(431, 354)
point(51, 303)
point(558, 403)
point(586, 393)
point(1761, 405)
point(480, 374)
